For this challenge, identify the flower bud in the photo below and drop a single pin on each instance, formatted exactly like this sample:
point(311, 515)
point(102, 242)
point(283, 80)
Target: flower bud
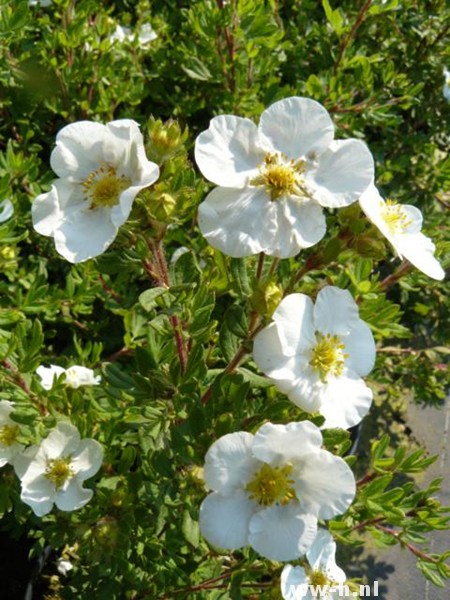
point(165, 139)
point(266, 298)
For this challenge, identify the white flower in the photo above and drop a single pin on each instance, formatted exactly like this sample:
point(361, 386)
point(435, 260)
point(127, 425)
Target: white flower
point(63, 566)
point(9, 431)
point(274, 178)
point(55, 471)
point(317, 354)
point(75, 376)
point(446, 88)
point(101, 169)
point(144, 36)
point(322, 572)
point(269, 489)
point(6, 210)
point(401, 225)
point(39, 2)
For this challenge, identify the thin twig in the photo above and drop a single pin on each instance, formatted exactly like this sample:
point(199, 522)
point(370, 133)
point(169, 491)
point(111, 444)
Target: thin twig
point(347, 39)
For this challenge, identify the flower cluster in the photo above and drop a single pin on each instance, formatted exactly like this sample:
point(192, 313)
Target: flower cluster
point(54, 471)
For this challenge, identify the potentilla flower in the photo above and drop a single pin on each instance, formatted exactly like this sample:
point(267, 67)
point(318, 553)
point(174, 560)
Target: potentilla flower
point(6, 210)
point(446, 88)
point(317, 354)
point(9, 433)
point(144, 36)
point(322, 573)
point(55, 471)
point(101, 169)
point(274, 178)
point(269, 489)
point(75, 376)
point(401, 225)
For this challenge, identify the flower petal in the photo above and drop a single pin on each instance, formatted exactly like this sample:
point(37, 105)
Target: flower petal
point(293, 581)
point(419, 250)
point(282, 532)
point(87, 460)
point(270, 354)
point(345, 401)
point(85, 235)
point(280, 444)
point(6, 408)
point(62, 441)
point(78, 150)
point(38, 494)
point(229, 462)
point(296, 126)
point(325, 485)
point(6, 210)
point(49, 374)
point(322, 556)
point(48, 210)
point(224, 520)
point(295, 323)
point(238, 222)
point(335, 311)
point(343, 173)
point(304, 225)
point(73, 497)
point(360, 346)
point(227, 153)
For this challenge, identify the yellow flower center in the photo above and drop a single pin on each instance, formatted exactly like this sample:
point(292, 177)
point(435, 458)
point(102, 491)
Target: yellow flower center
point(280, 176)
point(8, 434)
point(328, 356)
point(272, 485)
point(58, 471)
point(103, 186)
point(318, 578)
point(395, 217)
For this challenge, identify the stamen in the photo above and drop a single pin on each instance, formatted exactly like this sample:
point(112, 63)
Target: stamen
point(328, 356)
point(8, 434)
point(103, 186)
point(58, 471)
point(318, 578)
point(272, 485)
point(395, 217)
point(280, 176)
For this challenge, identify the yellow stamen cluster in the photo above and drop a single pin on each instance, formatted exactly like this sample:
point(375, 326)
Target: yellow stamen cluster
point(103, 186)
point(272, 485)
point(395, 217)
point(8, 434)
point(58, 471)
point(318, 578)
point(328, 356)
point(280, 176)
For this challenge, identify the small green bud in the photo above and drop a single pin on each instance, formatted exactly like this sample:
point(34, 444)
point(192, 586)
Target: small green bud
point(106, 532)
point(266, 297)
point(165, 139)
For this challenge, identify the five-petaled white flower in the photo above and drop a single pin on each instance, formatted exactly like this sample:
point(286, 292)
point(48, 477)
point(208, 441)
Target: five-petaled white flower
point(75, 376)
point(446, 88)
point(55, 471)
point(9, 431)
point(401, 225)
point(269, 489)
point(101, 169)
point(317, 354)
point(322, 572)
point(274, 178)
point(6, 210)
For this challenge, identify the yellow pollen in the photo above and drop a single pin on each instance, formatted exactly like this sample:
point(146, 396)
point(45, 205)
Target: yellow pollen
point(395, 217)
point(103, 186)
point(58, 471)
point(8, 434)
point(272, 485)
point(318, 578)
point(280, 176)
point(328, 356)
